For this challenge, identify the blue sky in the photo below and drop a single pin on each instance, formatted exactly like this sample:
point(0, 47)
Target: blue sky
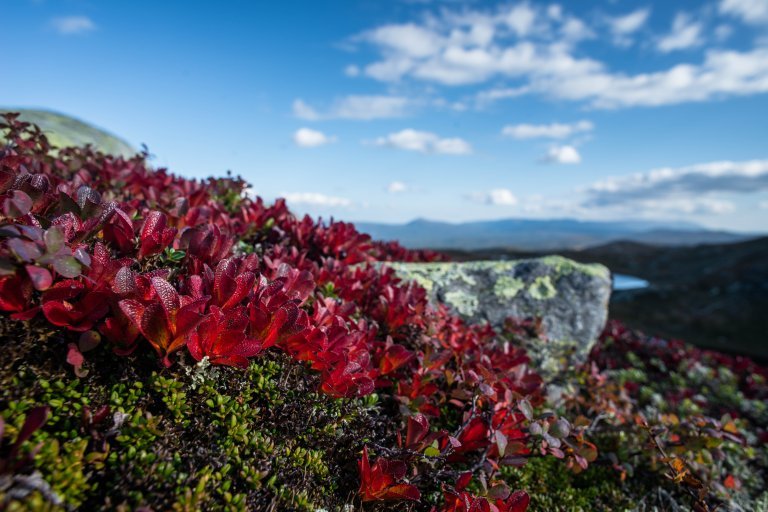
point(389, 111)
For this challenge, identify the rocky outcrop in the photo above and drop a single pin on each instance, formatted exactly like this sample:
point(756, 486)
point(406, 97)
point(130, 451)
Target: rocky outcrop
point(571, 299)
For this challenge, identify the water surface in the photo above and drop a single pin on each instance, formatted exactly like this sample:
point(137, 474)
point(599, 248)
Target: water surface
point(624, 282)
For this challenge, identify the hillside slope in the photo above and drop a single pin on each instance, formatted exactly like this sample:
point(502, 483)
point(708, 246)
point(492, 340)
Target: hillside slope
point(64, 131)
point(714, 294)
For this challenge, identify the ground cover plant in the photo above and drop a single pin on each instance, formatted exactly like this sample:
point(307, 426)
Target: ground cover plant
point(172, 344)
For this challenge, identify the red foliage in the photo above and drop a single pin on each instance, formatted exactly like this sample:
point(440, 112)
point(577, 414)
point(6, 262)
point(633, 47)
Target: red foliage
point(155, 236)
point(167, 319)
point(221, 338)
point(230, 277)
point(384, 480)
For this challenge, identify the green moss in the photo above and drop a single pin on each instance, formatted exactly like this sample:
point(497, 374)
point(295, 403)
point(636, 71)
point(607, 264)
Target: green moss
point(191, 437)
point(553, 487)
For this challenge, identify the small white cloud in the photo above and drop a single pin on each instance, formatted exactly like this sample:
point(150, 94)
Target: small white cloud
point(576, 30)
point(72, 25)
point(750, 11)
point(483, 98)
point(684, 205)
point(764, 205)
point(315, 199)
point(555, 12)
point(397, 187)
point(304, 111)
point(723, 32)
point(629, 23)
point(521, 19)
point(424, 142)
point(408, 39)
point(308, 138)
point(453, 146)
point(355, 107)
point(352, 70)
point(685, 34)
point(495, 197)
point(551, 131)
point(562, 155)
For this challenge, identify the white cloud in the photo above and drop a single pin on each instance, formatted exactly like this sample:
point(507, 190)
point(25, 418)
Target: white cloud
point(562, 155)
point(552, 131)
point(352, 70)
point(304, 111)
point(689, 188)
point(723, 32)
point(685, 33)
point(521, 18)
point(71, 25)
point(573, 29)
point(356, 107)
point(622, 26)
point(496, 197)
point(308, 138)
point(424, 142)
point(555, 11)
point(723, 73)
point(316, 199)
point(408, 39)
point(397, 187)
point(763, 205)
point(525, 45)
point(750, 11)
point(680, 205)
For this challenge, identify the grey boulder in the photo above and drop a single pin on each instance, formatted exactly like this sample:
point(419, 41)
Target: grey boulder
point(570, 298)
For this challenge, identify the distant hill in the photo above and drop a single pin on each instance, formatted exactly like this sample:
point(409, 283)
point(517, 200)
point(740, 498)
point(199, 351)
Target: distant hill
point(542, 235)
point(63, 131)
point(714, 295)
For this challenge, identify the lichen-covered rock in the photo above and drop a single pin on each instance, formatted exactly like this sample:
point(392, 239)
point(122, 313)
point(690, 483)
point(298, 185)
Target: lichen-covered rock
point(571, 299)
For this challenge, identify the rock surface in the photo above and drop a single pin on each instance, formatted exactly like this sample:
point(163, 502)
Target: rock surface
point(571, 299)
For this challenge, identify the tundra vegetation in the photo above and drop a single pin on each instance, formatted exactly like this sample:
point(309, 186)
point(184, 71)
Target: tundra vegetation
point(173, 344)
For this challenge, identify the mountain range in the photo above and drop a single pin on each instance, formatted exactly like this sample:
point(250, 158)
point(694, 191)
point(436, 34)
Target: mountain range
point(543, 235)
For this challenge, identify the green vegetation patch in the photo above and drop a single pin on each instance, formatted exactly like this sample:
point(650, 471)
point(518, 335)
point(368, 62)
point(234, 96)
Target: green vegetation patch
point(189, 438)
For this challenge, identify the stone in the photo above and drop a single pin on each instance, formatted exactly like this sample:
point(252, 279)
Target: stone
point(570, 298)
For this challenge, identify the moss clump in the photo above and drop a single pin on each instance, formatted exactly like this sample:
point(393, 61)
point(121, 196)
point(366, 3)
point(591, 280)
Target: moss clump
point(185, 438)
point(552, 487)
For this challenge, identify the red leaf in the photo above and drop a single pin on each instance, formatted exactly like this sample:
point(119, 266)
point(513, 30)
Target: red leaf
point(40, 277)
point(516, 502)
point(17, 204)
point(395, 357)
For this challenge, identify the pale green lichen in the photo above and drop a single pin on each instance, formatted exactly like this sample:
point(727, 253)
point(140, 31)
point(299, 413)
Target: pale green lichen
point(564, 266)
point(542, 288)
point(423, 280)
point(507, 287)
point(461, 302)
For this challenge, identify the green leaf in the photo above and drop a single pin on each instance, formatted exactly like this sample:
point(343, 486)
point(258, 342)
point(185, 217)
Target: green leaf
point(501, 442)
point(67, 266)
point(54, 239)
point(526, 409)
point(432, 450)
point(560, 429)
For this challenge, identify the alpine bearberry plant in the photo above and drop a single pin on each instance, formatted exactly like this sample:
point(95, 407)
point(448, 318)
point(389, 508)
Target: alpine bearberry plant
point(196, 348)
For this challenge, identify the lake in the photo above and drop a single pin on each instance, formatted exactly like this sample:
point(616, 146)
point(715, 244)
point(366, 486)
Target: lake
point(624, 282)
